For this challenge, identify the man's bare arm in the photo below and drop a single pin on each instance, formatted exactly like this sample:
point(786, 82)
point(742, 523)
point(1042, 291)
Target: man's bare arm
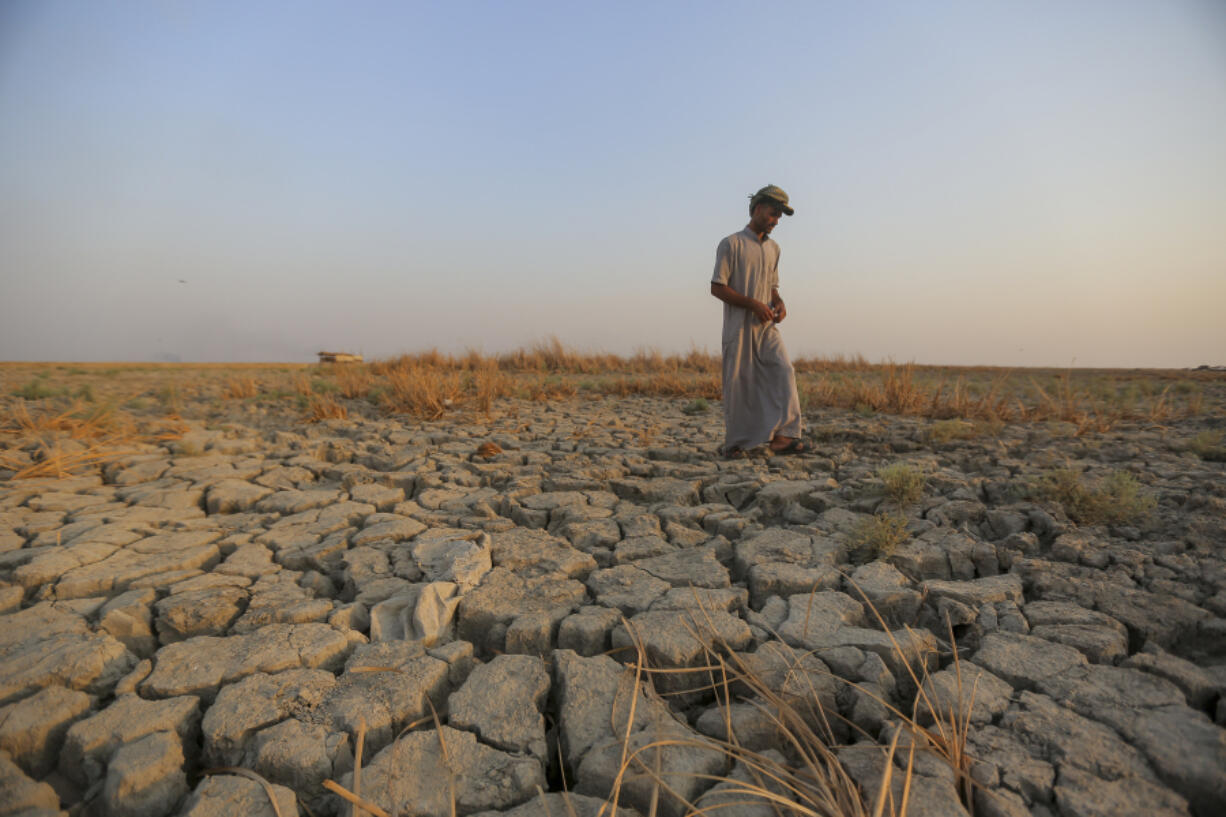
point(730, 296)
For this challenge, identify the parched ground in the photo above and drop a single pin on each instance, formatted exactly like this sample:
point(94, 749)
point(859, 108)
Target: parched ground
point(239, 587)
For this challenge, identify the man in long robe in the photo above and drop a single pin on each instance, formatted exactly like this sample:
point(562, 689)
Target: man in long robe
point(759, 386)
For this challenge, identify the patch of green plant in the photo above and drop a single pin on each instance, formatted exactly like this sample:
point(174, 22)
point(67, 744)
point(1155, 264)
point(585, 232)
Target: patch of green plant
point(169, 397)
point(37, 389)
point(903, 483)
point(1185, 387)
point(110, 373)
point(943, 431)
point(880, 534)
point(864, 410)
point(304, 402)
point(321, 386)
point(75, 370)
point(1113, 500)
point(86, 393)
point(698, 406)
point(1208, 445)
point(376, 395)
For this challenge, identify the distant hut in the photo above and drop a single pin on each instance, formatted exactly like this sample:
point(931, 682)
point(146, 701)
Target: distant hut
point(339, 357)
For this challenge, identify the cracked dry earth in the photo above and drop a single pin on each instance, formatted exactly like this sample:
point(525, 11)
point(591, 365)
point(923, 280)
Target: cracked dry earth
point(250, 594)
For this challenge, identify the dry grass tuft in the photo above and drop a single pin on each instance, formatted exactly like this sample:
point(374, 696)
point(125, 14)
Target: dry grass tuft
point(429, 384)
point(421, 390)
point(489, 450)
point(240, 388)
point(353, 380)
point(301, 384)
point(63, 442)
point(811, 780)
point(325, 408)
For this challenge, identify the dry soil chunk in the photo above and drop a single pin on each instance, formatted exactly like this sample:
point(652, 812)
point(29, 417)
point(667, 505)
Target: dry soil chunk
point(42, 646)
point(90, 743)
point(199, 666)
point(145, 778)
point(233, 496)
point(23, 797)
point(416, 775)
point(1023, 661)
point(243, 708)
point(532, 553)
point(32, 731)
point(502, 703)
point(1079, 794)
point(224, 795)
point(627, 588)
point(675, 639)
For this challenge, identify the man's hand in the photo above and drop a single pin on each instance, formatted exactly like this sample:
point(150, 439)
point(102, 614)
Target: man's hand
point(763, 312)
point(777, 305)
point(730, 296)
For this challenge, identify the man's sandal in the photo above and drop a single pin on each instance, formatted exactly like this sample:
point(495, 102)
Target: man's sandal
point(796, 446)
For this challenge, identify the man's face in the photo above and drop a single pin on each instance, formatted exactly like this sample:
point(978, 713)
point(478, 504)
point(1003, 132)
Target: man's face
point(765, 217)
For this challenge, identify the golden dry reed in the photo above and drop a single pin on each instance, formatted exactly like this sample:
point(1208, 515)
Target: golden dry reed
point(429, 384)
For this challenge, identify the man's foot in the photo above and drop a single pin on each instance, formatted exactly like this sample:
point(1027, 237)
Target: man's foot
point(786, 445)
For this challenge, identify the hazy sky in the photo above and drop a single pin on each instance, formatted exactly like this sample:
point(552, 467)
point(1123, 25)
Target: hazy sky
point(1012, 183)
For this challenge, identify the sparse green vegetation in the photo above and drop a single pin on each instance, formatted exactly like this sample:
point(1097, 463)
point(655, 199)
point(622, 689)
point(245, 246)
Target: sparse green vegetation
point(1208, 445)
point(698, 406)
point(903, 483)
point(1114, 500)
point(942, 431)
point(321, 386)
point(170, 399)
point(37, 389)
point(880, 534)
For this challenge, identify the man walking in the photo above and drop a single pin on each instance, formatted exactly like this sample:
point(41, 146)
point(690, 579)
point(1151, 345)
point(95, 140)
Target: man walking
point(760, 400)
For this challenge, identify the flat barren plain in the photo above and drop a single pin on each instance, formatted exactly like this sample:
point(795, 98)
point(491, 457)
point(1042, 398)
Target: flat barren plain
point(529, 585)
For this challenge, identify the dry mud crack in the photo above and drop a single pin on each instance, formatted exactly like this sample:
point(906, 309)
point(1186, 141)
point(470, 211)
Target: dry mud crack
point(257, 593)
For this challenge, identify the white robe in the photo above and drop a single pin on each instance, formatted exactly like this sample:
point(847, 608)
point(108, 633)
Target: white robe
point(759, 385)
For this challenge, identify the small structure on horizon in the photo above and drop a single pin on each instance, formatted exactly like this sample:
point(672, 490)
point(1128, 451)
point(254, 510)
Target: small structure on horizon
point(339, 357)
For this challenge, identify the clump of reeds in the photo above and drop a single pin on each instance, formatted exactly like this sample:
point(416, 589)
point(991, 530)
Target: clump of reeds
point(301, 384)
point(353, 380)
point(325, 408)
point(64, 442)
point(240, 388)
point(420, 390)
point(427, 386)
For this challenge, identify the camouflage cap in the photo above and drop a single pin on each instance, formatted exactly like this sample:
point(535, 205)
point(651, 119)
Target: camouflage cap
point(775, 194)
